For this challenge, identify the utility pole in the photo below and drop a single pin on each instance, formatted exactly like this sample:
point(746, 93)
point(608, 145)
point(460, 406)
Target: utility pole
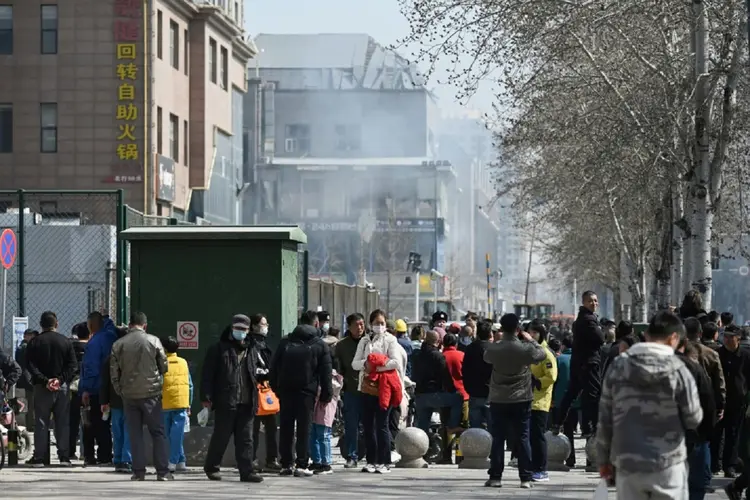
point(391, 254)
point(528, 269)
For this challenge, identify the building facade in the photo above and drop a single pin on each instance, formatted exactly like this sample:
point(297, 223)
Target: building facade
point(130, 94)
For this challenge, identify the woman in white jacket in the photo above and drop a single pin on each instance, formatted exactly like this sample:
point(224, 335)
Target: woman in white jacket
point(375, 419)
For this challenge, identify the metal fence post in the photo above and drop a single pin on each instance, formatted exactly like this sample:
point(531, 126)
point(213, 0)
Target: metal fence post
point(120, 249)
point(305, 280)
point(21, 254)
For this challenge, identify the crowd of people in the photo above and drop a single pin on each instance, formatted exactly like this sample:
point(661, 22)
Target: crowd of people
point(666, 407)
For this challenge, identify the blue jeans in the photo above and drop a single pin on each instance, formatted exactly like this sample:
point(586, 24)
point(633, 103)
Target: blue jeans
point(479, 413)
point(699, 470)
point(320, 444)
point(120, 437)
point(174, 428)
point(510, 421)
point(426, 404)
point(352, 418)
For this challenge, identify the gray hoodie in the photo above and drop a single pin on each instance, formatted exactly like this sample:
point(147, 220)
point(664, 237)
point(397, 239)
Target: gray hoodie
point(511, 377)
point(649, 399)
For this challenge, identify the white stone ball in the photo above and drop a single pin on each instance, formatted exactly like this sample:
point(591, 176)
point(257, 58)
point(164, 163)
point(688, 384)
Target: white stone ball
point(475, 443)
point(412, 442)
point(591, 449)
point(558, 447)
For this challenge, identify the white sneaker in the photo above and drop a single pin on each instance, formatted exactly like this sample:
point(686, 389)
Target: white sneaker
point(181, 467)
point(382, 469)
point(395, 457)
point(171, 467)
point(369, 468)
point(302, 472)
point(526, 485)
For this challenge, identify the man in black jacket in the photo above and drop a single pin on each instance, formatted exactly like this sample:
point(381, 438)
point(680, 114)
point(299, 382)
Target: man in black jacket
point(258, 335)
point(736, 365)
point(230, 389)
point(52, 363)
point(585, 367)
point(434, 388)
point(301, 365)
point(477, 375)
point(25, 380)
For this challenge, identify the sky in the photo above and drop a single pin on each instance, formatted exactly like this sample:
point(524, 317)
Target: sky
point(380, 19)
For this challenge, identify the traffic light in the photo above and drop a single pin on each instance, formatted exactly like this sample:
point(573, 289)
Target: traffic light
point(415, 262)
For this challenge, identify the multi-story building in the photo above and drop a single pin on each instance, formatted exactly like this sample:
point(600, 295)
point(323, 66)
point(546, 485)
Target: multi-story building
point(341, 140)
point(143, 96)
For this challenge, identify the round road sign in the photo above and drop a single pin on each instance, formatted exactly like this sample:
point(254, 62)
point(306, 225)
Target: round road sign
point(187, 331)
point(8, 247)
point(744, 271)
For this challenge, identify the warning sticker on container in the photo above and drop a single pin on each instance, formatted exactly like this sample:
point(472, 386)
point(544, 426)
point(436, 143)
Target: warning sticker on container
point(187, 334)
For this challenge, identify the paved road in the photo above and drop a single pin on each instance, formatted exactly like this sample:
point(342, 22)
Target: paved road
point(440, 482)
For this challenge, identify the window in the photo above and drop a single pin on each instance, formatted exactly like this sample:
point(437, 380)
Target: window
point(49, 29)
point(6, 29)
point(6, 128)
point(237, 13)
point(48, 114)
point(297, 139)
point(185, 143)
point(185, 51)
point(159, 34)
point(159, 138)
point(174, 137)
point(212, 59)
point(312, 196)
point(224, 68)
point(348, 137)
point(174, 44)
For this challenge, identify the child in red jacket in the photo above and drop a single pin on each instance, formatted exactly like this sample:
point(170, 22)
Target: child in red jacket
point(389, 382)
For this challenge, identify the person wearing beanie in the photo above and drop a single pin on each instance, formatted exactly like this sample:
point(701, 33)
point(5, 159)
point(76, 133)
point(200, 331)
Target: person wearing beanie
point(230, 389)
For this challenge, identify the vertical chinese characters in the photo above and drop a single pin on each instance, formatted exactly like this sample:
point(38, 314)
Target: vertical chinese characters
point(127, 33)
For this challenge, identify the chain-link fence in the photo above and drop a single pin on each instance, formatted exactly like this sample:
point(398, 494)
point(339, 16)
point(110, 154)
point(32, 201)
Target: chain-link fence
point(67, 255)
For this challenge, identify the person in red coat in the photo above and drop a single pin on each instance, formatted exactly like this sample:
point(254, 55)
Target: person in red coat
point(455, 361)
point(389, 382)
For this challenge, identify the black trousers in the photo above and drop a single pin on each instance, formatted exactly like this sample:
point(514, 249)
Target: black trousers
point(377, 433)
point(586, 386)
point(538, 441)
point(75, 424)
point(717, 446)
point(731, 426)
point(394, 419)
point(569, 429)
point(295, 409)
point(227, 422)
point(271, 427)
point(98, 433)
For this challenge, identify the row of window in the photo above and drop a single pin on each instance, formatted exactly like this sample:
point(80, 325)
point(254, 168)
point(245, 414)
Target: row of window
point(174, 136)
point(174, 42)
point(297, 138)
point(47, 127)
point(47, 28)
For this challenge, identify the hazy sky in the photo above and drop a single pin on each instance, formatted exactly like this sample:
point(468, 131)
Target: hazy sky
point(379, 18)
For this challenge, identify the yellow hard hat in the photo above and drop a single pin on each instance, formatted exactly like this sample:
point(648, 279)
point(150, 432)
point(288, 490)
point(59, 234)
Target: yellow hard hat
point(400, 326)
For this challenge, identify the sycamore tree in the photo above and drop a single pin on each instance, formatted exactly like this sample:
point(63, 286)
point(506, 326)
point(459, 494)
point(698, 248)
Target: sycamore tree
point(629, 107)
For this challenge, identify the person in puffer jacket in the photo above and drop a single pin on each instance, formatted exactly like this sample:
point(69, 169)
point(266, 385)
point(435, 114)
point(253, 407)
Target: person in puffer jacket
point(321, 430)
point(543, 377)
point(648, 393)
point(389, 383)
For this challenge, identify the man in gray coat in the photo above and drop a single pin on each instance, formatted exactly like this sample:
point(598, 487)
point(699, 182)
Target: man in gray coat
point(138, 364)
point(510, 397)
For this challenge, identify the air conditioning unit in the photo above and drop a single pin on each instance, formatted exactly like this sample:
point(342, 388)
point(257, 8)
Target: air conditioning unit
point(290, 145)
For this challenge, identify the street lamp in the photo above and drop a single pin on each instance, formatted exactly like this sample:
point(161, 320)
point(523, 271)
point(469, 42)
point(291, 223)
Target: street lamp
point(414, 265)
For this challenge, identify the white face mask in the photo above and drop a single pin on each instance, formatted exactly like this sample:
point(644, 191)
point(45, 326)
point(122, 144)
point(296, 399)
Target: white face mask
point(264, 330)
point(378, 329)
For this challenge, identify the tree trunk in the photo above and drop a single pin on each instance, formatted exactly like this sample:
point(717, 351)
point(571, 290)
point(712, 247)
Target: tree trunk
point(687, 246)
point(700, 191)
point(617, 303)
point(677, 246)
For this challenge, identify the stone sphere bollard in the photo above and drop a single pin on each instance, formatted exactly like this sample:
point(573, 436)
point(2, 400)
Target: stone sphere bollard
point(475, 445)
point(558, 450)
point(412, 444)
point(591, 463)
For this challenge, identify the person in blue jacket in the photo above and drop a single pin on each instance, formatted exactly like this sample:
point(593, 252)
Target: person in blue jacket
point(99, 348)
point(561, 386)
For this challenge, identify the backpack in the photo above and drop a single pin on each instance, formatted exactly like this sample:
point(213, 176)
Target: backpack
point(298, 366)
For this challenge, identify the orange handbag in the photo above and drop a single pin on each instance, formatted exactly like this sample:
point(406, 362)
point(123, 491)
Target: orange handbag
point(268, 403)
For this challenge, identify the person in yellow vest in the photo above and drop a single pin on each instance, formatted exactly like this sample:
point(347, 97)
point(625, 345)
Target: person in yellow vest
point(544, 375)
point(177, 396)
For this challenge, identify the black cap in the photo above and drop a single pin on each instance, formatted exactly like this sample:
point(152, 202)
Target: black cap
point(324, 316)
point(439, 316)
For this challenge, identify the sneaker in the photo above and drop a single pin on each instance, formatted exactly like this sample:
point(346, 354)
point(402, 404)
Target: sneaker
point(540, 477)
point(732, 494)
point(323, 470)
point(369, 468)
point(382, 469)
point(165, 477)
point(272, 466)
point(138, 477)
point(89, 463)
point(315, 467)
point(35, 462)
point(213, 476)
point(286, 471)
point(513, 462)
point(494, 483)
point(300, 472)
point(350, 464)
point(181, 467)
point(65, 462)
point(526, 485)
point(172, 467)
point(252, 478)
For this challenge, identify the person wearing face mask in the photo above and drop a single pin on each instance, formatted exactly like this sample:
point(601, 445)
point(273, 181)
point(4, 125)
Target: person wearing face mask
point(230, 389)
point(324, 320)
point(648, 392)
point(258, 335)
point(374, 418)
